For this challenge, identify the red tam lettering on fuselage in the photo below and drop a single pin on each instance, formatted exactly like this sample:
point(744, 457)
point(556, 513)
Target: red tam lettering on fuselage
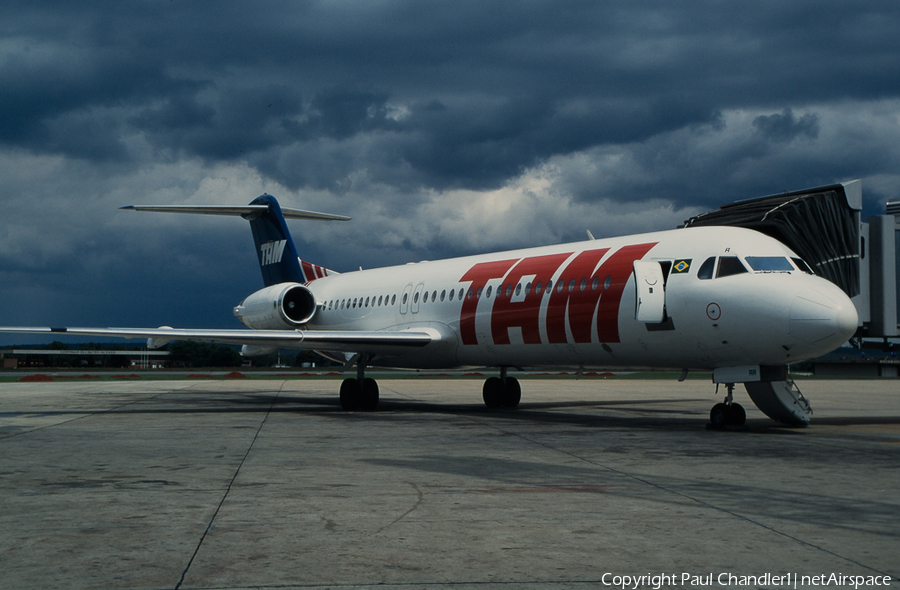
point(510, 311)
point(479, 274)
point(582, 292)
point(570, 303)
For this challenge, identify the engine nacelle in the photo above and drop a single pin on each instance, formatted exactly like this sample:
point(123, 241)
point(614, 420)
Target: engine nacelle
point(285, 306)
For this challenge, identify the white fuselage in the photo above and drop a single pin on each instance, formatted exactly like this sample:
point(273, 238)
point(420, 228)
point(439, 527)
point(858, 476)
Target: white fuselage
point(496, 309)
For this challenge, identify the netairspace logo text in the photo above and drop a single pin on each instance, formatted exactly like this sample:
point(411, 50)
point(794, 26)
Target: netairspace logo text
point(790, 580)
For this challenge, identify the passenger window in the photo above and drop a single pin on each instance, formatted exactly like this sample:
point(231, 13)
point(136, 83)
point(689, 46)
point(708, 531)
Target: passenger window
point(730, 265)
point(583, 284)
point(706, 269)
point(452, 292)
point(488, 292)
point(460, 296)
point(537, 288)
point(433, 296)
point(394, 299)
point(443, 294)
point(595, 284)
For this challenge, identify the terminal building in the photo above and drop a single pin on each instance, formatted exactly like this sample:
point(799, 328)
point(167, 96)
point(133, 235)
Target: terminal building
point(23, 358)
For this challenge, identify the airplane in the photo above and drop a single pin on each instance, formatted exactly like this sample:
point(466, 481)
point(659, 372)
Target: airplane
point(728, 300)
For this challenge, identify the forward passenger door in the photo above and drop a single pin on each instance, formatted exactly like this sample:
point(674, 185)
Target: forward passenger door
point(650, 292)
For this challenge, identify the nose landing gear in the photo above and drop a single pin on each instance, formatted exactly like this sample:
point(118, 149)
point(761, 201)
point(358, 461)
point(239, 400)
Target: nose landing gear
point(729, 413)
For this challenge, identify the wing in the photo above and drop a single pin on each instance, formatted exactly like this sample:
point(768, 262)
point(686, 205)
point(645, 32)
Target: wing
point(374, 343)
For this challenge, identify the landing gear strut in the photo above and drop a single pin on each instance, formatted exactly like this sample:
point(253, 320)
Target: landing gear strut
point(728, 413)
point(502, 391)
point(360, 393)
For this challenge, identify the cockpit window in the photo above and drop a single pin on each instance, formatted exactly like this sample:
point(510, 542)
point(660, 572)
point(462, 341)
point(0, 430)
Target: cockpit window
point(706, 269)
point(730, 265)
point(769, 263)
point(801, 264)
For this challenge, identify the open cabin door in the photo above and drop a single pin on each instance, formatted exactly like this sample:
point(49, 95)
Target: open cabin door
point(650, 292)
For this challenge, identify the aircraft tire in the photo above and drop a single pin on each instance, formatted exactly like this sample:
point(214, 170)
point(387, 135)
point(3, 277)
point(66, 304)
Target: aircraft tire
point(718, 416)
point(492, 392)
point(736, 415)
point(369, 400)
point(513, 393)
point(351, 395)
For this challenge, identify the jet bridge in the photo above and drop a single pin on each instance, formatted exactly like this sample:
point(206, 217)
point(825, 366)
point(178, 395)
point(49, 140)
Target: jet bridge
point(824, 226)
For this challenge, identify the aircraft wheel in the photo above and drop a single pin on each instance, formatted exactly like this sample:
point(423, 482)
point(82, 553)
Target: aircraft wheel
point(736, 414)
point(513, 393)
point(351, 395)
point(369, 394)
point(492, 392)
point(718, 416)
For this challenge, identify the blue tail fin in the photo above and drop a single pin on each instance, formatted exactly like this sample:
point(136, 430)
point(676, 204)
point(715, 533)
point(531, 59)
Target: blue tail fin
point(278, 258)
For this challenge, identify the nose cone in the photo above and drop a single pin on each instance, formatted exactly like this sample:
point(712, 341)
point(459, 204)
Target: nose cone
point(822, 315)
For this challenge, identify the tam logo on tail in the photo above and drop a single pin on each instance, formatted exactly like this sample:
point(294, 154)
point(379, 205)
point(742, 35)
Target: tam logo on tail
point(271, 252)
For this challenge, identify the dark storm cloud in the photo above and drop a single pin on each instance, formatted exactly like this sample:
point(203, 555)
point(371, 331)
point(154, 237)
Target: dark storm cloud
point(462, 94)
point(785, 127)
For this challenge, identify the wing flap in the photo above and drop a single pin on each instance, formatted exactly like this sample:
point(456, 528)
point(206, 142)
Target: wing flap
point(380, 343)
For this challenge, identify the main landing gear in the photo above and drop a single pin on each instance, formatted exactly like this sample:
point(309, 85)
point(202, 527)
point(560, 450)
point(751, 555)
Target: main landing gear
point(360, 393)
point(502, 391)
point(729, 413)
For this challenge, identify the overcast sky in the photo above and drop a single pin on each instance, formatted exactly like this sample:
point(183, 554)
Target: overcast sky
point(443, 128)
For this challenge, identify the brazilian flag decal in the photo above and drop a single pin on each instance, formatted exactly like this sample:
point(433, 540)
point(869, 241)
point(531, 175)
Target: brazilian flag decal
point(681, 266)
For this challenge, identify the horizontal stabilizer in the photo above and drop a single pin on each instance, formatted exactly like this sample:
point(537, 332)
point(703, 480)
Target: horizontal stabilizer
point(245, 211)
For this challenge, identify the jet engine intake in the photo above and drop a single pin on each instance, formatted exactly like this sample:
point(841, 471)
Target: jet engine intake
point(285, 306)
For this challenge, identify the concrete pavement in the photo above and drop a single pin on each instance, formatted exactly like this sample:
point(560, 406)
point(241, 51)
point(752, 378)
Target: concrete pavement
point(268, 484)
